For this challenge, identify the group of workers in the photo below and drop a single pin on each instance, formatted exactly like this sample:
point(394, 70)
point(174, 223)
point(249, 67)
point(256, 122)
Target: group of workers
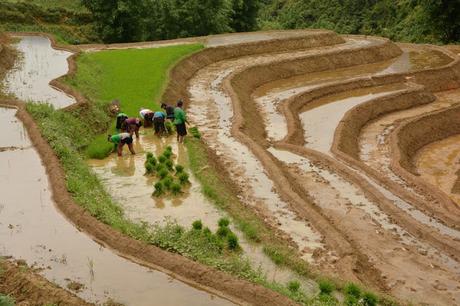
point(127, 127)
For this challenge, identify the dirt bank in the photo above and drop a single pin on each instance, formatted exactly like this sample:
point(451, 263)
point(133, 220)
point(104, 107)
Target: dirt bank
point(29, 288)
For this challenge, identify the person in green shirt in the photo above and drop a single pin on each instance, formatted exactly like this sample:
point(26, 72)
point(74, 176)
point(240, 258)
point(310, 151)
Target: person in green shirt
point(121, 117)
point(180, 119)
point(119, 140)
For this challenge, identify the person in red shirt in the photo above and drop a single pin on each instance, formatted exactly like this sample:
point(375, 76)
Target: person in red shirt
point(132, 125)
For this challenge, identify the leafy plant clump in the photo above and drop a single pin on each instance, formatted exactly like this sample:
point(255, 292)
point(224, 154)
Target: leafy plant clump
point(197, 225)
point(326, 287)
point(294, 286)
point(195, 132)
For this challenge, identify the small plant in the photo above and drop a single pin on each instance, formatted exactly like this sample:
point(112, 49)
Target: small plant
point(160, 167)
point(169, 127)
point(293, 286)
point(207, 232)
point(232, 241)
point(197, 225)
point(167, 182)
point(149, 155)
point(149, 168)
point(223, 222)
point(179, 169)
point(162, 159)
point(222, 231)
point(176, 189)
point(169, 164)
point(6, 300)
point(370, 299)
point(163, 173)
point(159, 189)
point(183, 178)
point(168, 148)
point(195, 133)
point(167, 154)
point(326, 287)
point(353, 290)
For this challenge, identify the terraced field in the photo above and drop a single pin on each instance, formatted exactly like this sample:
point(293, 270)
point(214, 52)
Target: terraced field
point(345, 146)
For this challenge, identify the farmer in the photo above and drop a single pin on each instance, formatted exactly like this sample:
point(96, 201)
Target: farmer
point(180, 120)
point(121, 117)
point(147, 115)
point(169, 111)
point(159, 123)
point(120, 140)
point(132, 125)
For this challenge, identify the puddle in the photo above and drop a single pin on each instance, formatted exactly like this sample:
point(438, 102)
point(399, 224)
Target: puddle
point(33, 230)
point(40, 63)
point(438, 164)
point(14, 133)
point(321, 117)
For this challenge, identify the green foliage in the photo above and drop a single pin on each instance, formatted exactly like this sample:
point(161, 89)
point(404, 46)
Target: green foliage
point(149, 168)
point(183, 178)
point(232, 241)
point(326, 286)
point(223, 222)
point(167, 154)
point(163, 173)
point(197, 225)
point(370, 299)
point(293, 286)
point(223, 231)
point(195, 132)
point(176, 189)
point(6, 300)
point(179, 169)
point(149, 155)
point(167, 182)
point(170, 128)
point(162, 159)
point(159, 189)
point(169, 165)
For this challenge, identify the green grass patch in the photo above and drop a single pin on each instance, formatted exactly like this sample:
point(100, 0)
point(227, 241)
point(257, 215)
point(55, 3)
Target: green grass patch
point(135, 77)
point(6, 300)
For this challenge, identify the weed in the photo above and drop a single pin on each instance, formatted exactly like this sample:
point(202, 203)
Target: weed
point(167, 182)
point(223, 222)
point(163, 173)
point(352, 290)
point(370, 299)
point(6, 300)
point(179, 169)
point(176, 189)
point(183, 178)
point(159, 189)
point(232, 241)
point(293, 286)
point(197, 225)
point(222, 231)
point(326, 286)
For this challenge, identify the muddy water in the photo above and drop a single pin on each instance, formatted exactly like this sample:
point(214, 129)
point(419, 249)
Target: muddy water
point(29, 79)
point(33, 230)
point(321, 117)
point(439, 162)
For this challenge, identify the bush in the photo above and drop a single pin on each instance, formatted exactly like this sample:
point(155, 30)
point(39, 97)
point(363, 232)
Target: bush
point(326, 287)
point(223, 222)
point(179, 168)
point(159, 189)
point(353, 290)
point(167, 182)
point(176, 189)
point(232, 241)
point(222, 231)
point(163, 173)
point(370, 299)
point(293, 286)
point(169, 164)
point(197, 225)
point(183, 178)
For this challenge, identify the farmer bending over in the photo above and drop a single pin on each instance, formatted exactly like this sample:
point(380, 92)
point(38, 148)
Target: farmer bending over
point(132, 125)
point(147, 115)
point(121, 117)
point(180, 120)
point(169, 111)
point(120, 140)
point(159, 123)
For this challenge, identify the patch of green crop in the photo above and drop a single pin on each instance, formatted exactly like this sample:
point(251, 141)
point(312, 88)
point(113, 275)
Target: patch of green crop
point(6, 300)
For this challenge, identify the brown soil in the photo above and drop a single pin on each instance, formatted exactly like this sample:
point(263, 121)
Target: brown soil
point(28, 288)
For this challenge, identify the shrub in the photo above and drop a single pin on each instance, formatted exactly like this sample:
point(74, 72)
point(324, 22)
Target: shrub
point(232, 241)
point(197, 225)
point(183, 178)
point(176, 189)
point(167, 182)
point(179, 168)
point(370, 299)
point(293, 286)
point(222, 231)
point(223, 222)
point(159, 189)
point(163, 173)
point(353, 290)
point(326, 287)
point(162, 159)
point(169, 164)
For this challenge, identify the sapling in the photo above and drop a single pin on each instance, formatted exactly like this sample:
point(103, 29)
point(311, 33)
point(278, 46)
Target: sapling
point(197, 225)
point(223, 222)
point(353, 290)
point(183, 178)
point(232, 241)
point(168, 148)
point(176, 189)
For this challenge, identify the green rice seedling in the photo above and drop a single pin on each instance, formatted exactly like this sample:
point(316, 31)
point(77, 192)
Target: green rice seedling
point(169, 164)
point(223, 231)
point(223, 222)
point(159, 189)
point(232, 241)
point(149, 168)
point(195, 132)
point(353, 290)
point(152, 160)
point(370, 299)
point(168, 148)
point(167, 182)
point(179, 169)
point(293, 286)
point(183, 178)
point(207, 232)
point(162, 159)
point(167, 154)
point(160, 167)
point(149, 155)
point(163, 173)
point(176, 189)
point(169, 127)
point(197, 225)
point(326, 286)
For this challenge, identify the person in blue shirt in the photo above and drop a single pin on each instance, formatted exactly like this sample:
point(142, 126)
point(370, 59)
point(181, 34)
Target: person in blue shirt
point(159, 123)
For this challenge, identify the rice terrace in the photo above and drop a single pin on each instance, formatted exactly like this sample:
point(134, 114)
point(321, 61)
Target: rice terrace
point(314, 163)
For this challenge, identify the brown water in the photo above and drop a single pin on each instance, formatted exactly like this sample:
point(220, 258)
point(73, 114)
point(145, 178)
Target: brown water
point(32, 229)
point(29, 79)
point(439, 162)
